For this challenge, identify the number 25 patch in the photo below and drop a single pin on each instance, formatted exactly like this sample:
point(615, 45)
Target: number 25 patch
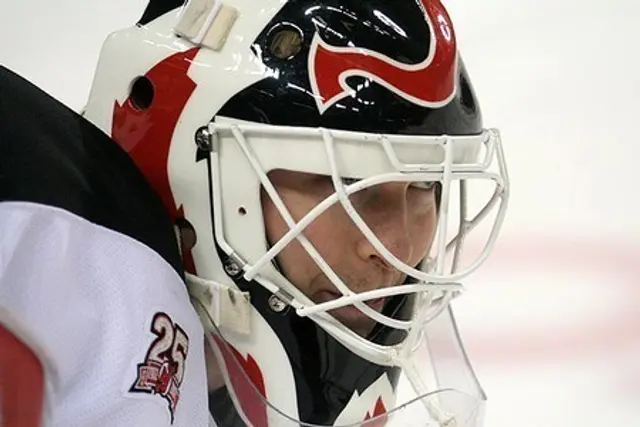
point(162, 371)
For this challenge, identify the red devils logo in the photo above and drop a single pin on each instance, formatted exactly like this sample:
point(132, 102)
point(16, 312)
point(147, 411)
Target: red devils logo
point(431, 83)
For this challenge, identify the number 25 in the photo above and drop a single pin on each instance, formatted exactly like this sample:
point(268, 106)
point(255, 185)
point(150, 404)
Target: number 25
point(171, 343)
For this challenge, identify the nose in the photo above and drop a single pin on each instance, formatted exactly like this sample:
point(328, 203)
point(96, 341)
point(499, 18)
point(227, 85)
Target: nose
point(386, 212)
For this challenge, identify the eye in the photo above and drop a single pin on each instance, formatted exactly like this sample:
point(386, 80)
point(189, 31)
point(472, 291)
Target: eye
point(349, 181)
point(424, 185)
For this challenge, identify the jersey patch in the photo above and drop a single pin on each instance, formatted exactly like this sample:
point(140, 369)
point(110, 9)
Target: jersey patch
point(162, 370)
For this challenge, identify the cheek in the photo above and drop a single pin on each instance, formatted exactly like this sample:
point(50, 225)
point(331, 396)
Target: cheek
point(291, 259)
point(325, 232)
point(330, 231)
point(294, 259)
point(297, 205)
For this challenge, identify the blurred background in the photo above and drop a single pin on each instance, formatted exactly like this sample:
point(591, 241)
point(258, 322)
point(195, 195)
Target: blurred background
point(552, 320)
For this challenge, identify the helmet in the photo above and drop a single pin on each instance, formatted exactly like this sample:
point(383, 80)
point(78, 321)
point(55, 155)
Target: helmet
point(213, 98)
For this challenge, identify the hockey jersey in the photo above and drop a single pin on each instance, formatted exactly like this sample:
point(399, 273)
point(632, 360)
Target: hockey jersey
point(90, 274)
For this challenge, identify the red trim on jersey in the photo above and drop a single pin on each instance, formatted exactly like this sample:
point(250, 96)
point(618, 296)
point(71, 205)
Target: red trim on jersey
point(21, 383)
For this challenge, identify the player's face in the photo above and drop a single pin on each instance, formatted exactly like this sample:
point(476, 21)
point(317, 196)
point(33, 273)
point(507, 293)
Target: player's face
point(401, 215)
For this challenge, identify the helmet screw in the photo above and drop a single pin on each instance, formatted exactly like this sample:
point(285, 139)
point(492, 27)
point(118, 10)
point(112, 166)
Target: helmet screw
point(231, 268)
point(276, 304)
point(204, 139)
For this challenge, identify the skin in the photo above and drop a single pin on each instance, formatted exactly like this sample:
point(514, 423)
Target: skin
point(403, 216)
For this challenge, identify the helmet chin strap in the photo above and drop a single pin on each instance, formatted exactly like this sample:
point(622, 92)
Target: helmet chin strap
point(219, 306)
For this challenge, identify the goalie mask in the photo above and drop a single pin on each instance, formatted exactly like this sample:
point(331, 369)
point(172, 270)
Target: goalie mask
point(288, 139)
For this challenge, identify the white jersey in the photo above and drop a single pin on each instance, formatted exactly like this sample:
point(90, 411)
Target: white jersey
point(90, 277)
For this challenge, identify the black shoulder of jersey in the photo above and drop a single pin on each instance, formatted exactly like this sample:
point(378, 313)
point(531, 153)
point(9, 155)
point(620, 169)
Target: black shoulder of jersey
point(51, 155)
point(157, 8)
